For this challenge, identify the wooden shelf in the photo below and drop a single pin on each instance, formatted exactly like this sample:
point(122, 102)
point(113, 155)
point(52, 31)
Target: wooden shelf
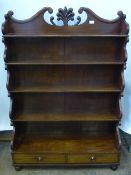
point(92, 142)
point(62, 35)
point(58, 62)
point(65, 117)
point(67, 59)
point(66, 88)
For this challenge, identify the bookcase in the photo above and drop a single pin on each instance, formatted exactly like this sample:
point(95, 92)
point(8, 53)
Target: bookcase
point(65, 84)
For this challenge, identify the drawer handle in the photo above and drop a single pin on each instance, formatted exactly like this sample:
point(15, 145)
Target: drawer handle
point(92, 157)
point(39, 158)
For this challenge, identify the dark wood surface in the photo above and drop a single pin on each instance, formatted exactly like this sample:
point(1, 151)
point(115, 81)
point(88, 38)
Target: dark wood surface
point(39, 144)
point(65, 78)
point(87, 105)
point(67, 50)
point(65, 84)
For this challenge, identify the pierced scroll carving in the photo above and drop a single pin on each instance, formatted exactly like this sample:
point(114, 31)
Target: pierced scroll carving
point(65, 15)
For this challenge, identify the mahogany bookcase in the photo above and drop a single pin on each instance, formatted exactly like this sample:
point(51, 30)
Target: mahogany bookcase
point(65, 84)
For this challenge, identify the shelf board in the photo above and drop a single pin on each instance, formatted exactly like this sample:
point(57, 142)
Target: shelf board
point(92, 142)
point(65, 117)
point(62, 35)
point(58, 62)
point(64, 88)
point(99, 59)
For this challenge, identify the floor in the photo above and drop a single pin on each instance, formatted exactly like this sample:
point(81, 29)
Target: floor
point(126, 139)
point(6, 167)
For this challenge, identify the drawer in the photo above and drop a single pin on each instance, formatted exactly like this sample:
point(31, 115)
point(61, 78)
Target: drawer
point(38, 158)
point(98, 158)
point(93, 158)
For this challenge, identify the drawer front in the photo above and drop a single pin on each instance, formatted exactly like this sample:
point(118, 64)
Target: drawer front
point(65, 159)
point(93, 158)
point(38, 159)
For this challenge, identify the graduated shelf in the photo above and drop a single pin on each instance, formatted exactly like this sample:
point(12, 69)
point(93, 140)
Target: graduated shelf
point(65, 59)
point(11, 35)
point(65, 117)
point(92, 142)
point(64, 88)
point(59, 62)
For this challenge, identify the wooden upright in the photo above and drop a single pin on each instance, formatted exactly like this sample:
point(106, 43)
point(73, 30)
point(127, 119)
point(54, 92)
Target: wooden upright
point(65, 84)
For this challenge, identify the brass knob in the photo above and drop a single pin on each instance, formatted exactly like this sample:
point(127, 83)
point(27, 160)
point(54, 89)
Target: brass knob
point(39, 158)
point(92, 158)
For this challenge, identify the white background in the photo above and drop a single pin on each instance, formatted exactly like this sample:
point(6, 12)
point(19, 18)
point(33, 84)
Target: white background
point(24, 9)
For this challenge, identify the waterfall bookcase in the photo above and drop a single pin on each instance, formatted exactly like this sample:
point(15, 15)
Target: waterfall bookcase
point(65, 84)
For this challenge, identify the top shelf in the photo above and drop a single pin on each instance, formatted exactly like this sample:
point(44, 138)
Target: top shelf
point(60, 35)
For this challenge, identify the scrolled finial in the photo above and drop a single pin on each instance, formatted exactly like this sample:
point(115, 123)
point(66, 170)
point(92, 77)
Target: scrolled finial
point(81, 9)
point(121, 14)
point(9, 14)
point(50, 10)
